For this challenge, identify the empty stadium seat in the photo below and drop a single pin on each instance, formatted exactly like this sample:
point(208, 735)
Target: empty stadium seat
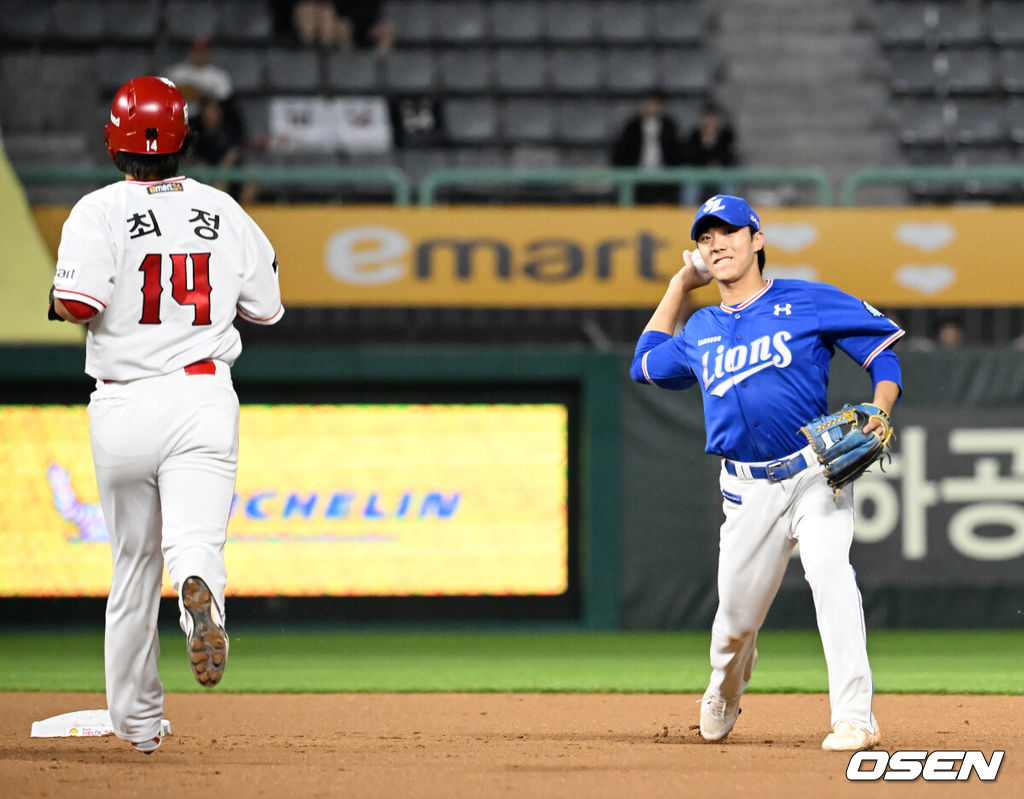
point(1006, 22)
point(922, 121)
point(413, 21)
point(132, 20)
point(116, 65)
point(685, 71)
point(632, 71)
point(246, 21)
point(979, 123)
point(520, 70)
point(1015, 120)
point(460, 21)
point(245, 65)
point(293, 70)
point(465, 70)
point(470, 121)
point(576, 70)
point(25, 22)
point(569, 21)
point(1011, 70)
point(960, 24)
point(913, 71)
point(515, 21)
point(352, 71)
point(584, 122)
point(410, 71)
point(527, 120)
point(186, 20)
point(675, 22)
point(623, 22)
point(903, 22)
point(79, 20)
point(970, 71)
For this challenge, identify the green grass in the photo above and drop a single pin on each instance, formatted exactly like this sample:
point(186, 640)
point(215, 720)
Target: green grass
point(573, 661)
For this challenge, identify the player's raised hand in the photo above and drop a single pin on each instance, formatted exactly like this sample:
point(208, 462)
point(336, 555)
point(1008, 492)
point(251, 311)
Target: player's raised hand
point(694, 274)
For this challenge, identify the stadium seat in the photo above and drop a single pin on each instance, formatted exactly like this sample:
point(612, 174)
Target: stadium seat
point(79, 21)
point(905, 22)
point(623, 22)
point(116, 65)
point(923, 122)
point(293, 70)
point(970, 71)
point(515, 21)
point(685, 71)
point(960, 24)
point(471, 121)
point(569, 21)
point(527, 120)
point(25, 22)
point(410, 71)
point(479, 157)
point(132, 20)
point(1006, 22)
point(245, 65)
point(355, 71)
point(631, 71)
point(186, 20)
point(913, 71)
point(584, 122)
point(979, 122)
point(529, 156)
point(1011, 70)
point(413, 20)
point(1015, 120)
point(257, 122)
point(462, 70)
point(460, 22)
point(576, 70)
point(675, 22)
point(246, 21)
point(520, 70)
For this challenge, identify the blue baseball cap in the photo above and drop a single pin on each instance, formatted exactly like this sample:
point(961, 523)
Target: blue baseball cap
point(731, 210)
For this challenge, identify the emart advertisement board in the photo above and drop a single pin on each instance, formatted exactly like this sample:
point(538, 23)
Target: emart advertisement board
point(563, 257)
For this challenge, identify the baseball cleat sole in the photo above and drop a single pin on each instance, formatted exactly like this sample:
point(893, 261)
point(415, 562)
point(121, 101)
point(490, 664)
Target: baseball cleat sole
point(207, 643)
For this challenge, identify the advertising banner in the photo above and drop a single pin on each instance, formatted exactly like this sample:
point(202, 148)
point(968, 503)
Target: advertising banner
point(331, 500)
point(574, 257)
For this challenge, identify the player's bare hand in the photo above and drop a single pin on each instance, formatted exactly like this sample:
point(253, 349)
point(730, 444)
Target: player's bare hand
point(692, 276)
point(875, 426)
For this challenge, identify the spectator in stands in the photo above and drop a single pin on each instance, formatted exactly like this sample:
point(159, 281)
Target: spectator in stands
point(950, 333)
point(711, 143)
point(649, 140)
point(219, 141)
point(346, 24)
point(197, 78)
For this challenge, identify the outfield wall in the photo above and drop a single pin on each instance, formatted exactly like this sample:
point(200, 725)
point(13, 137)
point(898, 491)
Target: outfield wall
point(941, 532)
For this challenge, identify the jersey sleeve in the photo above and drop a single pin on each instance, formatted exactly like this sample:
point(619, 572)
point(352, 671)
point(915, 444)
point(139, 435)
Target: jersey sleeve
point(260, 298)
point(660, 360)
point(854, 326)
point(86, 258)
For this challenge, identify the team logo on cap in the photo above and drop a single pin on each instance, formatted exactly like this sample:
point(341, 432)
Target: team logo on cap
point(713, 205)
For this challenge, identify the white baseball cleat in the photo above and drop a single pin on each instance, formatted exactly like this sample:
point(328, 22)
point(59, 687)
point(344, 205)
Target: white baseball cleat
point(207, 641)
point(847, 736)
point(717, 717)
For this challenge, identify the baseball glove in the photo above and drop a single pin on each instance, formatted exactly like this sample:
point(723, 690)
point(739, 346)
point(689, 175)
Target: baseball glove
point(842, 447)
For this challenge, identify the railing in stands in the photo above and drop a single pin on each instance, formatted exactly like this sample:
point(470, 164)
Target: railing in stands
point(909, 175)
point(625, 180)
point(393, 177)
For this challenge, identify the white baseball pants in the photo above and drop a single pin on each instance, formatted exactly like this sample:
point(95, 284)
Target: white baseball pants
point(757, 539)
point(166, 452)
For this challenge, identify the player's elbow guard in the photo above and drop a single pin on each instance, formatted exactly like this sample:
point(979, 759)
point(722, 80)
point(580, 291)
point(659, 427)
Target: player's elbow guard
point(72, 311)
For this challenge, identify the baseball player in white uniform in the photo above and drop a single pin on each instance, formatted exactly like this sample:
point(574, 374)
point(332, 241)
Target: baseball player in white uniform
point(761, 359)
point(158, 266)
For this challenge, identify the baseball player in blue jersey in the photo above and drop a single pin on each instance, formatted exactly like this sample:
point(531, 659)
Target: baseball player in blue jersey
point(761, 359)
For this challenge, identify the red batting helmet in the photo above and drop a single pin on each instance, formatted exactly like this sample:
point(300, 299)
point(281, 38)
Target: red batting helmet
point(148, 116)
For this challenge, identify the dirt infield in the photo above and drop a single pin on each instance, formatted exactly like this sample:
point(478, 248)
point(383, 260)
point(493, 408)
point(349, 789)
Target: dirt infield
point(490, 745)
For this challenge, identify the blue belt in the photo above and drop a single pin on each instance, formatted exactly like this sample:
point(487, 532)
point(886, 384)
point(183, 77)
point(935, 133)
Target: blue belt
point(772, 472)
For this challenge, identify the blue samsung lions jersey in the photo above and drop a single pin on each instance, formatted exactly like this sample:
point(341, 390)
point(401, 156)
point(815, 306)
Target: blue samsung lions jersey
point(763, 365)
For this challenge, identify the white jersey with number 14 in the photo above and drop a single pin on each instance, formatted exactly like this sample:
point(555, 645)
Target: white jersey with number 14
point(168, 264)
